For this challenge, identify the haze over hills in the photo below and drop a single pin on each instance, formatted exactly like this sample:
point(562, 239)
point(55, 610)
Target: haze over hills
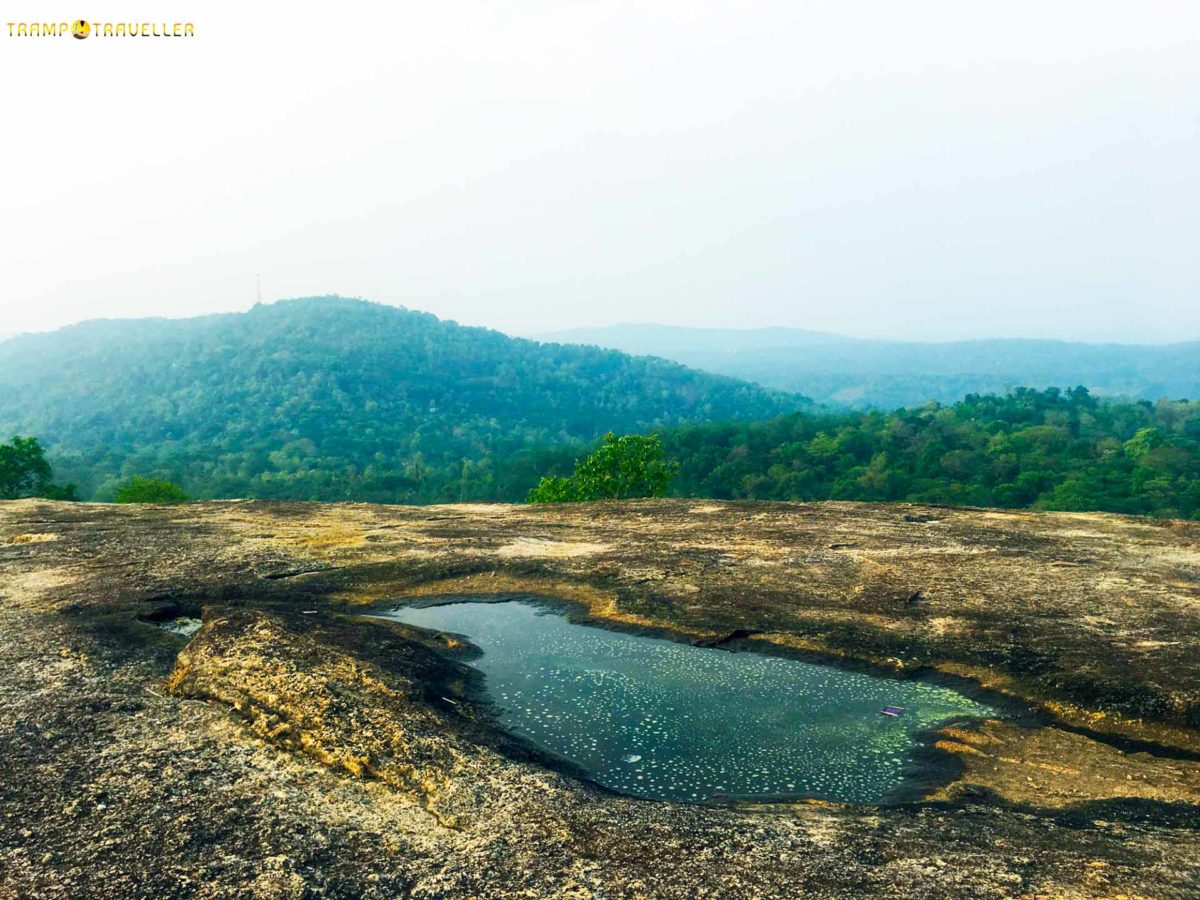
point(328, 398)
point(864, 373)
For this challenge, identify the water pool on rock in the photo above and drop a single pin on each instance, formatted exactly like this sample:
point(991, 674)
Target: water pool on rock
point(665, 720)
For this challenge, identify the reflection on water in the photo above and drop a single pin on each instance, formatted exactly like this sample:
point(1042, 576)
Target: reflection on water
point(664, 720)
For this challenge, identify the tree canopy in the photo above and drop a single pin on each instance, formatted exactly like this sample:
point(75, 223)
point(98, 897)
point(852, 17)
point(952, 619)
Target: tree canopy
point(1052, 449)
point(620, 468)
point(150, 490)
point(24, 472)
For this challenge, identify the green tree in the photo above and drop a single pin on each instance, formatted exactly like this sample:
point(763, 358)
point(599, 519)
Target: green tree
point(1142, 443)
point(57, 492)
point(23, 468)
point(150, 490)
point(632, 465)
point(555, 489)
point(24, 472)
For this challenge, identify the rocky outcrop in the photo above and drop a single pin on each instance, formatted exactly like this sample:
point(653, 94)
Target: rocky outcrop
point(292, 748)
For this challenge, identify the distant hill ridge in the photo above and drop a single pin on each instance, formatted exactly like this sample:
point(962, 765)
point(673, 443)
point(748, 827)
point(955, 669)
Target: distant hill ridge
point(328, 398)
point(862, 373)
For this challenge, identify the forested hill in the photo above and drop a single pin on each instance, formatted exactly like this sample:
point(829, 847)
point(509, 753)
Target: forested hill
point(329, 398)
point(842, 371)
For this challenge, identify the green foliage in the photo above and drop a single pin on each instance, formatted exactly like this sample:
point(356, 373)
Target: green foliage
point(23, 468)
point(57, 492)
point(1043, 449)
point(620, 468)
point(334, 399)
point(555, 489)
point(24, 472)
point(330, 399)
point(150, 490)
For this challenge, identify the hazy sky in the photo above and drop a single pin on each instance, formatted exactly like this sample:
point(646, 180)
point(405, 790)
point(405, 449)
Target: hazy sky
point(902, 169)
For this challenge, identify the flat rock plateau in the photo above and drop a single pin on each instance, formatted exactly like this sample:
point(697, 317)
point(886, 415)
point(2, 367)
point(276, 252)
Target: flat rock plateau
point(293, 748)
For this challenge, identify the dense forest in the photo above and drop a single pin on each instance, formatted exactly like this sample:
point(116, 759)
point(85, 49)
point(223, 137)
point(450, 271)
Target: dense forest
point(874, 374)
point(330, 399)
point(1030, 449)
point(1043, 449)
point(333, 399)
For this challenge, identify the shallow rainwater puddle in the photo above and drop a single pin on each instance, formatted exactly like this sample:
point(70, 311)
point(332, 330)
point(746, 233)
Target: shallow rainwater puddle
point(184, 625)
point(664, 720)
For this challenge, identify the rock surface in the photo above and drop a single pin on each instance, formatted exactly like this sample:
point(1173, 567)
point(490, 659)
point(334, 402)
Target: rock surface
point(290, 748)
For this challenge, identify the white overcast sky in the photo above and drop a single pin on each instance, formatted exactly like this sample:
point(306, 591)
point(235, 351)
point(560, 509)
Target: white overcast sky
point(903, 169)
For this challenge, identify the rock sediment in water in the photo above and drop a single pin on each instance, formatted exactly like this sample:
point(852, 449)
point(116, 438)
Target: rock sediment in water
point(292, 748)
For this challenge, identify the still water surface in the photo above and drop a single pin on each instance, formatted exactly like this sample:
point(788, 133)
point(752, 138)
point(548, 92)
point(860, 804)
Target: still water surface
point(665, 720)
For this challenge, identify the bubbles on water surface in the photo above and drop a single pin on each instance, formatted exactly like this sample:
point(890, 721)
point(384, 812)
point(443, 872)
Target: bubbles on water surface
point(665, 720)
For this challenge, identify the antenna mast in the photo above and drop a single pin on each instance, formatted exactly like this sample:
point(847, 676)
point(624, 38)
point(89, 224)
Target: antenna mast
point(258, 278)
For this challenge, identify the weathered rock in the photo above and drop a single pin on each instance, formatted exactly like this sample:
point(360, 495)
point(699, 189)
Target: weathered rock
point(289, 748)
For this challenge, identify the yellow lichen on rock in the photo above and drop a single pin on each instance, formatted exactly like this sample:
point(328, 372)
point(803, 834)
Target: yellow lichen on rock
point(33, 538)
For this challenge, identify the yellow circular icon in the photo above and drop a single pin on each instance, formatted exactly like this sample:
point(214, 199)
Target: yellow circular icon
point(81, 29)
